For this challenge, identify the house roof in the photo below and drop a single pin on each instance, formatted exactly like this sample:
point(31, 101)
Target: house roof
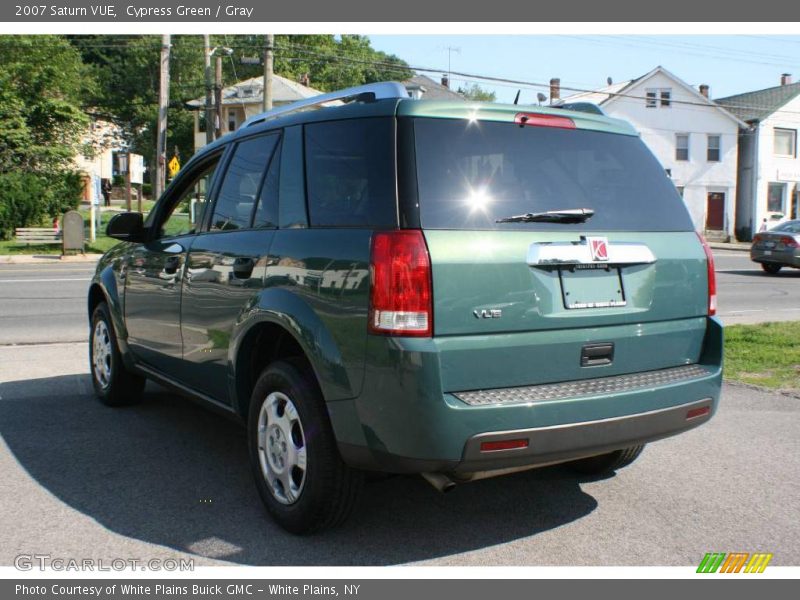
point(608, 94)
point(250, 91)
point(431, 90)
point(599, 96)
point(755, 106)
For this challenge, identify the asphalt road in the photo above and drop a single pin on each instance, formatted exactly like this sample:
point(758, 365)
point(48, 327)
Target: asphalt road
point(745, 294)
point(41, 303)
point(168, 479)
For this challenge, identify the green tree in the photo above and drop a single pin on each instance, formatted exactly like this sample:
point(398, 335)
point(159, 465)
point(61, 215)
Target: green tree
point(42, 82)
point(42, 125)
point(127, 70)
point(476, 93)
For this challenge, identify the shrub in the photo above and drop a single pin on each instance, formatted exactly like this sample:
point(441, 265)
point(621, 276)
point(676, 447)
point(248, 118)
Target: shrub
point(28, 199)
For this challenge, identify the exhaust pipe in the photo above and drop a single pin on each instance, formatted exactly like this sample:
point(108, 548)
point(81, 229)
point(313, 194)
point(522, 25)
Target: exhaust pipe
point(441, 482)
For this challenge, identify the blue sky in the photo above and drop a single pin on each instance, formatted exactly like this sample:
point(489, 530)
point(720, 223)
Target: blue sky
point(730, 64)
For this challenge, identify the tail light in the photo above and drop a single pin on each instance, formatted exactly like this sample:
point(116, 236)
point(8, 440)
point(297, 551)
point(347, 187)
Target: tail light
point(757, 238)
point(401, 299)
point(712, 277)
point(544, 120)
point(788, 241)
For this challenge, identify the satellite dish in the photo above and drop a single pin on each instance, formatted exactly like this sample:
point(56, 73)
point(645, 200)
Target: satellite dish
point(609, 81)
point(541, 97)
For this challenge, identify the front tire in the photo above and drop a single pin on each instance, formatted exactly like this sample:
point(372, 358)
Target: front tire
point(771, 268)
point(606, 463)
point(301, 478)
point(113, 384)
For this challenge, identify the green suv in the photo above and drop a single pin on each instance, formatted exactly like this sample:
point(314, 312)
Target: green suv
point(457, 290)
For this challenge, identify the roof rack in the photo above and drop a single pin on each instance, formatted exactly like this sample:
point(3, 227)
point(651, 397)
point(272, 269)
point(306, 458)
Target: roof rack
point(362, 93)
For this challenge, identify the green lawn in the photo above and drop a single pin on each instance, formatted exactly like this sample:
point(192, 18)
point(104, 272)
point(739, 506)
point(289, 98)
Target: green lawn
point(767, 354)
point(100, 245)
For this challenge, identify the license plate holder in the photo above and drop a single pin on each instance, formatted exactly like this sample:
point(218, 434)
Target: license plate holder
point(597, 287)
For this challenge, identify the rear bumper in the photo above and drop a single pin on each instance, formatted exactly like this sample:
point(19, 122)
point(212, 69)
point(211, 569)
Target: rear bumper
point(403, 422)
point(789, 257)
point(547, 445)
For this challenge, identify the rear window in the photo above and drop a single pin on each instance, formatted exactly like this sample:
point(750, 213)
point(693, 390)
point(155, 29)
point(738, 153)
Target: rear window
point(470, 174)
point(788, 227)
point(350, 173)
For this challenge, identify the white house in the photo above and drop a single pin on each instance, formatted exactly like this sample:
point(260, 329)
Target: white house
point(694, 138)
point(769, 165)
point(244, 100)
point(101, 139)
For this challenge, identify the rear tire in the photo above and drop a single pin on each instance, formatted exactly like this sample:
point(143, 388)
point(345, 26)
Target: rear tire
point(771, 268)
point(298, 471)
point(113, 384)
point(606, 463)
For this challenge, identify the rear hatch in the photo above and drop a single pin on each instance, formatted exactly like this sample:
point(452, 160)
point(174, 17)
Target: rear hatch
point(524, 302)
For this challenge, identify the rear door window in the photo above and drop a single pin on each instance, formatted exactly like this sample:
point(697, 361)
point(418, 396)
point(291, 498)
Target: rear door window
point(472, 173)
point(350, 177)
point(242, 184)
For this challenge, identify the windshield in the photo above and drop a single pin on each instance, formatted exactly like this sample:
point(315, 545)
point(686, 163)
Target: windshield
point(472, 173)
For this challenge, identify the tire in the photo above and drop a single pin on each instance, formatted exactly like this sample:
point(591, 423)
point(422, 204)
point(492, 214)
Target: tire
point(606, 463)
point(771, 268)
point(298, 471)
point(113, 384)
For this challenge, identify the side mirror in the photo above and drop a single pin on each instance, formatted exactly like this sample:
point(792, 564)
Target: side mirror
point(128, 227)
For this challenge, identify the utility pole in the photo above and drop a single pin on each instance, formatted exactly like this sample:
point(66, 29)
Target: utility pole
point(209, 114)
point(218, 98)
point(128, 187)
point(268, 68)
point(163, 103)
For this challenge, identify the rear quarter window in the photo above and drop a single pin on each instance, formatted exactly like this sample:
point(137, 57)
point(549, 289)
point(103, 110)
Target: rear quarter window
point(350, 174)
point(472, 173)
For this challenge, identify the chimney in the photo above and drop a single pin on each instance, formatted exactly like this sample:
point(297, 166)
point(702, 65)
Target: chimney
point(786, 78)
point(446, 80)
point(555, 89)
point(704, 89)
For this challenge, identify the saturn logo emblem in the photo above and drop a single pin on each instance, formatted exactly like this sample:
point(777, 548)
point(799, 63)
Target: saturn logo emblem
point(598, 246)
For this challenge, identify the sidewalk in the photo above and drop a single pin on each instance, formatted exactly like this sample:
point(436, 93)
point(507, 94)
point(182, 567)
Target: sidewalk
point(31, 259)
point(737, 246)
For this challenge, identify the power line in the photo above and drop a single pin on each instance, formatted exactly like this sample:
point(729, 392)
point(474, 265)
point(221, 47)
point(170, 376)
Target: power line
point(529, 84)
point(471, 77)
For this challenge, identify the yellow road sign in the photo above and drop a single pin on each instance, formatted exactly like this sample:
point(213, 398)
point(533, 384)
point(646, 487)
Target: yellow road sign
point(174, 166)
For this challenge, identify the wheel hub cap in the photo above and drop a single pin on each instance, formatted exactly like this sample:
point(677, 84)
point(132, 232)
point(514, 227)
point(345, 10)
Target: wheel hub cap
point(281, 448)
point(101, 354)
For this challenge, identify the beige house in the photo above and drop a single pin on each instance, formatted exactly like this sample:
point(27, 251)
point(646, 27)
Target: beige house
point(243, 100)
point(100, 141)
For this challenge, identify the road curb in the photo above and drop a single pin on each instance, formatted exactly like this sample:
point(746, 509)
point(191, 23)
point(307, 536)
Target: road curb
point(766, 390)
point(55, 259)
point(734, 247)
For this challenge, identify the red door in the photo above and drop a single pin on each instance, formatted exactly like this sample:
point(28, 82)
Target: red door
point(715, 211)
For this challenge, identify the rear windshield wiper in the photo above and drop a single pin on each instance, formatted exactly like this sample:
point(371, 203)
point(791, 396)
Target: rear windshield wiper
point(569, 215)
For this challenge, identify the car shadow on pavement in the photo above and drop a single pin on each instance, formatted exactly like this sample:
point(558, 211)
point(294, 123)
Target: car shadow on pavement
point(172, 473)
point(785, 273)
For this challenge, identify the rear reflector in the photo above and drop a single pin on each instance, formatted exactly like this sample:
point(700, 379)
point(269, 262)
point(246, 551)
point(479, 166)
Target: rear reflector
point(712, 277)
point(400, 296)
point(503, 445)
point(542, 120)
point(698, 412)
